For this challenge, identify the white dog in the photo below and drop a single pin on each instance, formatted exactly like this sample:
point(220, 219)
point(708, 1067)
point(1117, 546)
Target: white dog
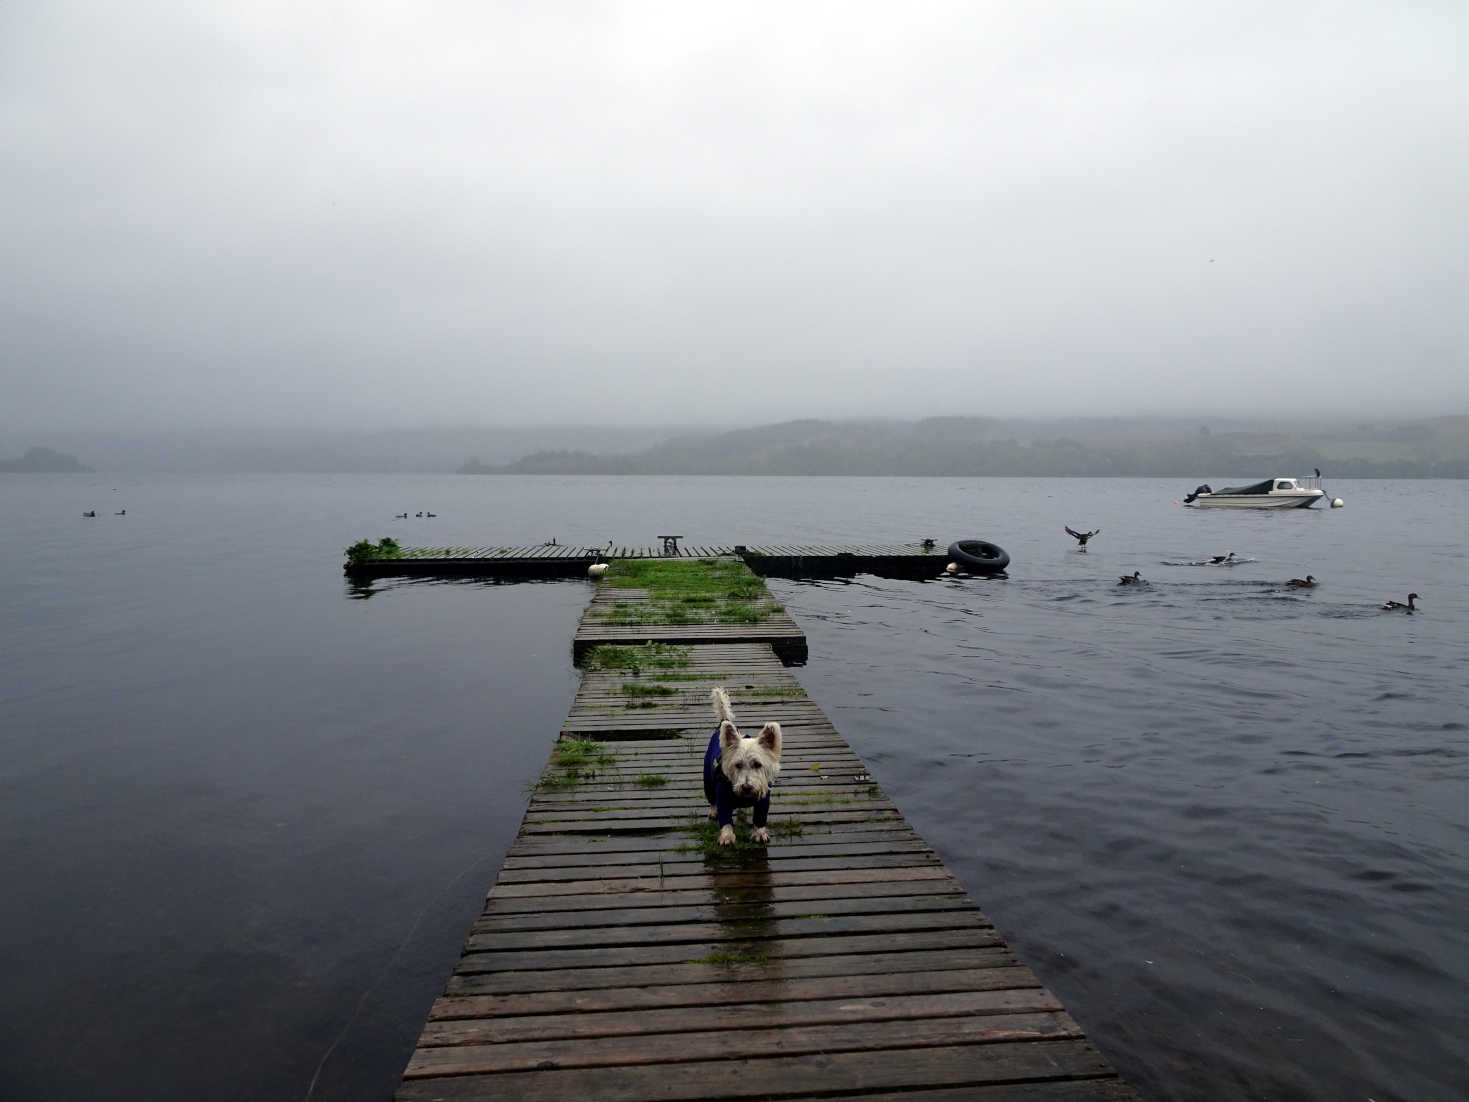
point(739, 771)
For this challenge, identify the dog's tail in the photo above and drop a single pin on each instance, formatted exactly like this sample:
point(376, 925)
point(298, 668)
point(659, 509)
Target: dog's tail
point(723, 713)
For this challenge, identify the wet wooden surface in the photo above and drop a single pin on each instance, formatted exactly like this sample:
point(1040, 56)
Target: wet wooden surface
point(617, 958)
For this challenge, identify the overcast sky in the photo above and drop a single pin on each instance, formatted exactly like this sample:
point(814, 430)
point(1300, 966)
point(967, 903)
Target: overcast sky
point(424, 213)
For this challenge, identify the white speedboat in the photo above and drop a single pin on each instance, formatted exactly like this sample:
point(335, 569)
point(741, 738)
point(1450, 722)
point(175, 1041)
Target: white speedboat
point(1273, 493)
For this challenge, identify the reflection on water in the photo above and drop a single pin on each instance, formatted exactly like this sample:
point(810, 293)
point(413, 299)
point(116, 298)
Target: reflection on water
point(360, 589)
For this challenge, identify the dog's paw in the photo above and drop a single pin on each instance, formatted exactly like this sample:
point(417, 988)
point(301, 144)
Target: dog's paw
point(726, 836)
point(761, 835)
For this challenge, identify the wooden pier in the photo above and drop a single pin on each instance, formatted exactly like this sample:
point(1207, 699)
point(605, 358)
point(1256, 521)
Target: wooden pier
point(910, 560)
point(622, 956)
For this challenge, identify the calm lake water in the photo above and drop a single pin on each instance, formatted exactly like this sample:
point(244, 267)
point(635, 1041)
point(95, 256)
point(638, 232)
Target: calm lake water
point(247, 814)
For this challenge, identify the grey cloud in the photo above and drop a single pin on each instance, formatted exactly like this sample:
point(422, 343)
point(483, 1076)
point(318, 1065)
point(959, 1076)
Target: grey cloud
point(376, 215)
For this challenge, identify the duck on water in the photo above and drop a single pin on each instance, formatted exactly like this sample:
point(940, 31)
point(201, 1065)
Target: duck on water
point(1398, 606)
point(1135, 578)
point(1081, 537)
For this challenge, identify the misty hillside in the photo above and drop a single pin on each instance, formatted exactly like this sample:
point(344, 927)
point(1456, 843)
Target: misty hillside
point(1437, 447)
point(304, 451)
point(43, 461)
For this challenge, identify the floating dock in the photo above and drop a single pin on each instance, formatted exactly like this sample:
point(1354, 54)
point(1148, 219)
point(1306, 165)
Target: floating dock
point(622, 955)
point(915, 560)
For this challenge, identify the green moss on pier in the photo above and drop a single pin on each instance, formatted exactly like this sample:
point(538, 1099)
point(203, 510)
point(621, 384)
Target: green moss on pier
point(648, 656)
point(688, 591)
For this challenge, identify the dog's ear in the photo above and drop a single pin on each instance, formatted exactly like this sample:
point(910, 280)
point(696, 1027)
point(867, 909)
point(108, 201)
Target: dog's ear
point(729, 735)
point(770, 738)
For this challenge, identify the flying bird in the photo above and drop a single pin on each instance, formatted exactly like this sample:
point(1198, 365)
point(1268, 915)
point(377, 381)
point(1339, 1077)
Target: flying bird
point(1081, 537)
point(1399, 606)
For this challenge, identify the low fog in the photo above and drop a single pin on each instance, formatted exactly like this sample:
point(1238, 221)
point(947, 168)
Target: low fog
point(362, 216)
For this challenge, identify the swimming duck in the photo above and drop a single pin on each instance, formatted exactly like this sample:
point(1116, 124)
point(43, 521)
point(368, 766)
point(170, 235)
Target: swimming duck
point(1228, 556)
point(1398, 605)
point(120, 513)
point(430, 514)
point(400, 516)
point(1135, 578)
point(1081, 537)
point(90, 513)
point(1303, 583)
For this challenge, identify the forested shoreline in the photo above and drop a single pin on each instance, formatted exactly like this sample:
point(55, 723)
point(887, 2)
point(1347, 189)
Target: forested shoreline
point(976, 446)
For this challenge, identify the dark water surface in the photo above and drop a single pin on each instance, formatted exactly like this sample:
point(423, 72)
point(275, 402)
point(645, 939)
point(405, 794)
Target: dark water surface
point(247, 814)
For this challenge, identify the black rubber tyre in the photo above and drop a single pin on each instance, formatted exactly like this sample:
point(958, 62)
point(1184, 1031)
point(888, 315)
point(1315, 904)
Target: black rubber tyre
point(978, 556)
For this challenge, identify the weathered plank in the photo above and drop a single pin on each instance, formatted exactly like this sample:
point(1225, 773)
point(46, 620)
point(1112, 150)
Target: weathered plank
point(733, 991)
point(831, 968)
point(781, 1076)
point(857, 1034)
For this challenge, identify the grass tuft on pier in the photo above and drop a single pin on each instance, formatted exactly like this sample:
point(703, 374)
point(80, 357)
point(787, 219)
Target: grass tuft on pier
point(366, 551)
point(689, 591)
point(634, 660)
point(573, 761)
point(704, 838)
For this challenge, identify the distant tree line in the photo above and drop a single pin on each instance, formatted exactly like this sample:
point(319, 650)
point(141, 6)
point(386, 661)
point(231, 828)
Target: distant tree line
point(43, 461)
point(957, 446)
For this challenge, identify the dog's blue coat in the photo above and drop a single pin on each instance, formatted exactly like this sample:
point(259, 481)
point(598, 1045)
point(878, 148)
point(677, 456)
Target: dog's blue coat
point(721, 796)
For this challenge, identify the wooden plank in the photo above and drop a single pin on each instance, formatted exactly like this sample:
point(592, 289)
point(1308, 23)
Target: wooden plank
point(898, 842)
point(1070, 1090)
point(710, 881)
point(782, 1076)
point(731, 991)
point(674, 874)
point(580, 1023)
point(502, 921)
point(750, 930)
point(714, 949)
point(854, 1035)
point(829, 969)
point(777, 893)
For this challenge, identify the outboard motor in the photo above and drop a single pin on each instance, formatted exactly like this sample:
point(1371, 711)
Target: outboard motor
point(1204, 489)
